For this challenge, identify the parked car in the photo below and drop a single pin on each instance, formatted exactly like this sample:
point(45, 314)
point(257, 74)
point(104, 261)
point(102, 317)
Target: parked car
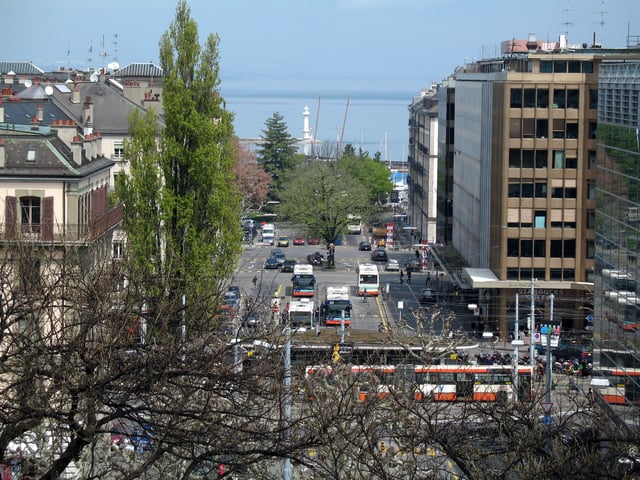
point(315, 258)
point(298, 241)
point(413, 266)
point(364, 246)
point(235, 289)
point(252, 320)
point(428, 295)
point(392, 265)
point(283, 241)
point(313, 241)
point(232, 300)
point(379, 255)
point(288, 265)
point(271, 263)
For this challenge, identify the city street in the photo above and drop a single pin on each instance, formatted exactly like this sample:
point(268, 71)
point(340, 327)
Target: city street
point(365, 315)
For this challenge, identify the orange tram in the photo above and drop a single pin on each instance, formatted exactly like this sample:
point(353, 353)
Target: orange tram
point(444, 383)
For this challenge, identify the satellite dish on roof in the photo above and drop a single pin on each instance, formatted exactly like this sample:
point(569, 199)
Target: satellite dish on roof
point(113, 66)
point(94, 77)
point(28, 83)
point(48, 90)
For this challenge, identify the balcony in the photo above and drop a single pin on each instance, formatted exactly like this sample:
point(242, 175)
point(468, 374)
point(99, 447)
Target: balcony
point(63, 234)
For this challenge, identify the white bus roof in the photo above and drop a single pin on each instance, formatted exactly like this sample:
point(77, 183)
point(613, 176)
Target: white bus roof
point(338, 293)
point(303, 269)
point(302, 305)
point(367, 268)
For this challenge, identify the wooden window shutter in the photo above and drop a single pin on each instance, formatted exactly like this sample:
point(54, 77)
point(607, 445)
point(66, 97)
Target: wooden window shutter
point(10, 217)
point(515, 128)
point(47, 219)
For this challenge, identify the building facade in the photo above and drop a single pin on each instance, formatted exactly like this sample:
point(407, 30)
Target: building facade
point(617, 301)
point(524, 178)
point(423, 164)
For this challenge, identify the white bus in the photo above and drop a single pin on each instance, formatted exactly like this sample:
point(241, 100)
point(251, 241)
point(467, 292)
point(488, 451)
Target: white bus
point(354, 224)
point(303, 282)
point(300, 313)
point(367, 279)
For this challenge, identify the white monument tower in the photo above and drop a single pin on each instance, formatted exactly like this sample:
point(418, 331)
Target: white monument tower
point(306, 132)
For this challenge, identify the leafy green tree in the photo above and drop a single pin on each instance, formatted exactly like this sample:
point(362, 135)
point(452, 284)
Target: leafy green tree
point(321, 195)
point(373, 174)
point(278, 151)
point(185, 219)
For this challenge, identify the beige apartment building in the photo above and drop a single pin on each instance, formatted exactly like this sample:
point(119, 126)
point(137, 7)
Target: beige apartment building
point(518, 139)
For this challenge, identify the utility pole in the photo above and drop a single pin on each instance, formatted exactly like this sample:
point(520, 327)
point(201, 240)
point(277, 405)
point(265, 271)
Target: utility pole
point(287, 400)
point(532, 330)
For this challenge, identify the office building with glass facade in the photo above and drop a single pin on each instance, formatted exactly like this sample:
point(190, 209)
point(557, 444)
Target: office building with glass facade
point(617, 243)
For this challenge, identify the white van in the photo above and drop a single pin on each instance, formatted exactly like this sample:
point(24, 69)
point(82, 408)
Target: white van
point(268, 233)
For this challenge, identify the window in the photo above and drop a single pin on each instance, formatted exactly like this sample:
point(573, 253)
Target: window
point(118, 150)
point(546, 66)
point(569, 249)
point(587, 67)
point(559, 96)
point(539, 248)
point(558, 159)
point(514, 158)
point(593, 99)
point(563, 248)
point(514, 190)
point(573, 98)
point(31, 155)
point(543, 98)
point(30, 214)
point(540, 219)
point(542, 128)
point(571, 162)
point(592, 159)
point(572, 130)
point(541, 159)
point(529, 98)
point(527, 159)
point(558, 127)
point(526, 190)
point(591, 190)
point(516, 98)
point(526, 248)
point(559, 66)
point(593, 130)
point(118, 249)
point(541, 190)
point(574, 66)
point(590, 249)
point(591, 219)
point(513, 247)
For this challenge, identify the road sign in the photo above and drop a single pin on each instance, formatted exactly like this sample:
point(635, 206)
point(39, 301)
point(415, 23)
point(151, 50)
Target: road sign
point(546, 420)
point(345, 348)
point(546, 406)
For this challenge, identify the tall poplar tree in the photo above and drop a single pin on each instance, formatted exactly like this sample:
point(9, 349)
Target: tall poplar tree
point(195, 212)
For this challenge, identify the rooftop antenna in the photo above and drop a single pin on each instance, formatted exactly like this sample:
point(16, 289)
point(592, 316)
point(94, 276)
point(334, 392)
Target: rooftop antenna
point(103, 54)
point(115, 47)
point(90, 59)
point(602, 22)
point(567, 23)
point(68, 62)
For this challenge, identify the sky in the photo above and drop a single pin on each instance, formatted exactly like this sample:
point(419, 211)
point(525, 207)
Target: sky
point(310, 45)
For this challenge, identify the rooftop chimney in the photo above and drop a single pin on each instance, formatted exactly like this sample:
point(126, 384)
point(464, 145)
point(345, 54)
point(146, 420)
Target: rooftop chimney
point(76, 150)
point(40, 113)
point(75, 96)
point(1, 112)
point(2, 154)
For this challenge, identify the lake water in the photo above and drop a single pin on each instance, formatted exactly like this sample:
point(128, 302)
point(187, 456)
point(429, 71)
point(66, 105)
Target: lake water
point(375, 122)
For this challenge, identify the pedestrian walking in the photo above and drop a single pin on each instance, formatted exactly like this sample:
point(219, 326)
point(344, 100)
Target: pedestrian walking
point(428, 279)
point(364, 296)
point(408, 276)
point(401, 276)
point(417, 254)
point(254, 281)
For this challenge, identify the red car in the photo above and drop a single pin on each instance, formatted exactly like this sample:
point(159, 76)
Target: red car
point(298, 241)
point(313, 241)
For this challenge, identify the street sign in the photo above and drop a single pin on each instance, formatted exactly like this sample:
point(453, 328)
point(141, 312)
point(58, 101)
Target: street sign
point(345, 348)
point(546, 421)
point(546, 406)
